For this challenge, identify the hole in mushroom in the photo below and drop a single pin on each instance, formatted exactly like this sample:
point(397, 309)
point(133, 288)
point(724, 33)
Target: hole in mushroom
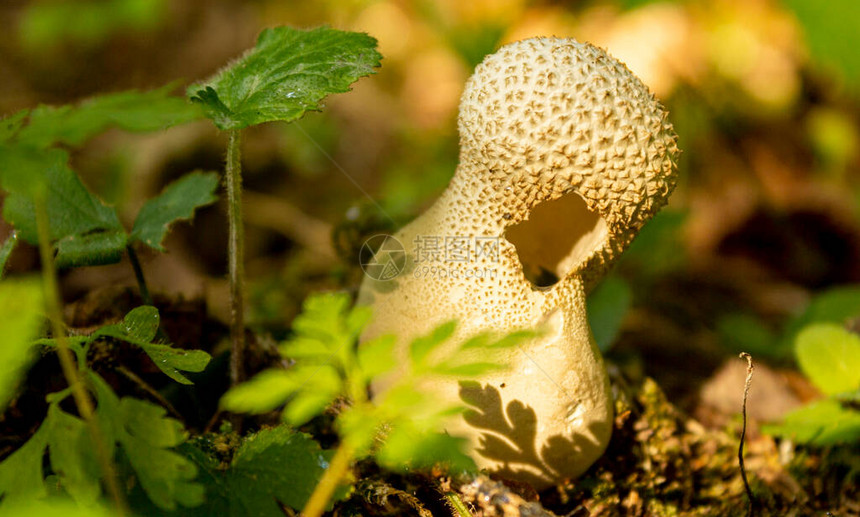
point(558, 236)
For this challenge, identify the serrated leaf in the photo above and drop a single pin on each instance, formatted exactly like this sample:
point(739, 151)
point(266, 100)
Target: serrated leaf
point(376, 356)
point(21, 305)
point(406, 447)
point(178, 201)
point(312, 387)
point(146, 436)
point(821, 423)
point(606, 307)
point(830, 356)
point(139, 327)
point(131, 111)
point(72, 457)
point(91, 249)
point(272, 466)
point(264, 392)
point(308, 404)
point(287, 73)
point(21, 477)
point(73, 213)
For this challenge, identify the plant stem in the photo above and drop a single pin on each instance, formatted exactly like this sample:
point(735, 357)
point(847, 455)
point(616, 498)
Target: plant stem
point(138, 274)
point(337, 469)
point(236, 252)
point(67, 360)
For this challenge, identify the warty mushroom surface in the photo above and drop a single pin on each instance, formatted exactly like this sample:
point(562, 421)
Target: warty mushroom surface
point(564, 155)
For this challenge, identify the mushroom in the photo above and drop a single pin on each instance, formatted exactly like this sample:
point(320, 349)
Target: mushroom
point(564, 155)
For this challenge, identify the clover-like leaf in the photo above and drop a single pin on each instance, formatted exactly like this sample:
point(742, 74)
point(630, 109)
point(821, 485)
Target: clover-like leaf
point(287, 73)
point(178, 201)
point(139, 327)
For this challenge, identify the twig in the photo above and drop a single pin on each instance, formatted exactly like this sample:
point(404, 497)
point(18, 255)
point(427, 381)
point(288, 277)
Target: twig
point(747, 383)
point(67, 360)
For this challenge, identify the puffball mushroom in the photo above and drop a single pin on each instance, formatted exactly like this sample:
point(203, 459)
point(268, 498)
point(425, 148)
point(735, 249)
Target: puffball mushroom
point(564, 155)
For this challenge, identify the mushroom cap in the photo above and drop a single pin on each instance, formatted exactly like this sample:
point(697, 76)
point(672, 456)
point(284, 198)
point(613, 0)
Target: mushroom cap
point(547, 116)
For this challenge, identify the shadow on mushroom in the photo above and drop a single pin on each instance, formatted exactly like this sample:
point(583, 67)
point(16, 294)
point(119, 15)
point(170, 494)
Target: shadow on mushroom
point(510, 439)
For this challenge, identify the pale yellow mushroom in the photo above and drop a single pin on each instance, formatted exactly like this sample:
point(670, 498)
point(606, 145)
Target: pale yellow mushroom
point(564, 155)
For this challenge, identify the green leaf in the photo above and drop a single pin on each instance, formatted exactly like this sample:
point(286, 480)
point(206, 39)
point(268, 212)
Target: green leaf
point(21, 477)
point(72, 456)
point(287, 73)
point(174, 361)
point(21, 304)
point(376, 356)
point(10, 125)
point(73, 213)
point(5, 251)
point(406, 447)
point(131, 111)
point(606, 307)
point(177, 201)
point(139, 327)
point(146, 436)
point(23, 170)
point(54, 508)
point(272, 466)
point(830, 356)
point(264, 392)
point(91, 249)
point(821, 423)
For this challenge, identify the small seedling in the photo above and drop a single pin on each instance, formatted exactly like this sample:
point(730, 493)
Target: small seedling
point(285, 75)
point(330, 366)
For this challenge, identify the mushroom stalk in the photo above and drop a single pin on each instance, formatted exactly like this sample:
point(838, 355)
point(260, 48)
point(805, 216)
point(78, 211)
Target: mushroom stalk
point(564, 155)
